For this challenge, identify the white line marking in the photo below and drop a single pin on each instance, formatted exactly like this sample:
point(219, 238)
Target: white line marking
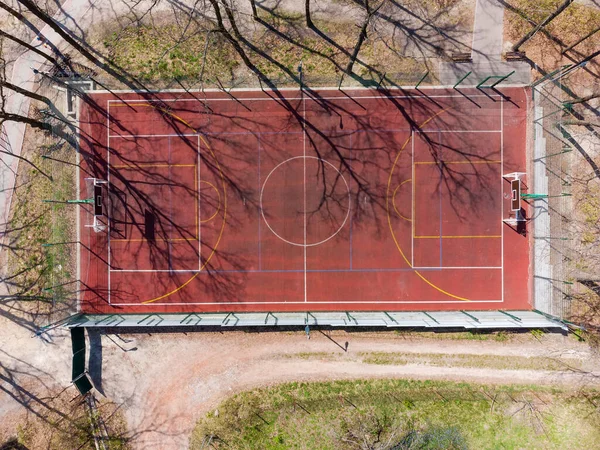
point(358, 97)
point(199, 217)
point(501, 196)
point(109, 196)
point(325, 271)
point(305, 244)
point(330, 88)
point(304, 164)
point(78, 217)
point(438, 302)
point(133, 136)
point(412, 187)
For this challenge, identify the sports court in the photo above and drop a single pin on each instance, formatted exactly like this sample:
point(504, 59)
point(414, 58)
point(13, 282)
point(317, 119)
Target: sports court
point(325, 200)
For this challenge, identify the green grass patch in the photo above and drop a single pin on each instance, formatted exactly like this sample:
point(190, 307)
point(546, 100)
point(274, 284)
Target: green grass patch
point(463, 360)
point(163, 52)
point(410, 414)
point(499, 336)
point(35, 268)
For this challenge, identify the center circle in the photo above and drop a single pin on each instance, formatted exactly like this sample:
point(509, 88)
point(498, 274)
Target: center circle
point(305, 201)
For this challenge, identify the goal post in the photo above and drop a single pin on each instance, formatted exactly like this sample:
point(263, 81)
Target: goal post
point(95, 196)
point(516, 216)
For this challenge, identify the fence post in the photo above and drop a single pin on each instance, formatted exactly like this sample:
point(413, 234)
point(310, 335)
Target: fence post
point(462, 79)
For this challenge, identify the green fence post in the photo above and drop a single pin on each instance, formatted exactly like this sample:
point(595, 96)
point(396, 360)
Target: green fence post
point(381, 80)
point(390, 317)
point(484, 80)
point(421, 80)
point(549, 75)
point(462, 79)
point(471, 316)
point(511, 316)
point(541, 196)
point(431, 317)
point(502, 79)
point(341, 81)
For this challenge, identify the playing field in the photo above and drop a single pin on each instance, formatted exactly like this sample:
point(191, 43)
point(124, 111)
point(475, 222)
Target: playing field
point(296, 201)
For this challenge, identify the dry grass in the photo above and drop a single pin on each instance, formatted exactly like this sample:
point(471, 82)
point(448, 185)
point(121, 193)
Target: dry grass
point(154, 53)
point(574, 23)
point(495, 362)
point(58, 423)
point(35, 270)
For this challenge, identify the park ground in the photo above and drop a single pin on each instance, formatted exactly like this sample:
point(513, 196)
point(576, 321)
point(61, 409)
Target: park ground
point(162, 383)
point(155, 387)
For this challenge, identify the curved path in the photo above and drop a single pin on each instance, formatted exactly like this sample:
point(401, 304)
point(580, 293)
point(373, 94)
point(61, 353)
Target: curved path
point(167, 381)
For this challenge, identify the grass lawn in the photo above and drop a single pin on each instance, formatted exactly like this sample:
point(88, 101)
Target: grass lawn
point(276, 44)
point(40, 273)
point(380, 414)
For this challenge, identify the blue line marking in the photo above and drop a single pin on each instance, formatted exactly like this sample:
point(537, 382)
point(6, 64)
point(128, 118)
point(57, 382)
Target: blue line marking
point(406, 269)
point(258, 208)
point(440, 196)
point(350, 149)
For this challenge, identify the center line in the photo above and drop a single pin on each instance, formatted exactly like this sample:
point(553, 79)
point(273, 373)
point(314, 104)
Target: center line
point(304, 159)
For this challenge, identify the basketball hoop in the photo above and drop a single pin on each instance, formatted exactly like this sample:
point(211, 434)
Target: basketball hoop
point(515, 200)
point(96, 195)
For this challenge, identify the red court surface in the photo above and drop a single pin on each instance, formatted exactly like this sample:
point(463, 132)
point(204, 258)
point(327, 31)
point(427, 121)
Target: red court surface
point(321, 201)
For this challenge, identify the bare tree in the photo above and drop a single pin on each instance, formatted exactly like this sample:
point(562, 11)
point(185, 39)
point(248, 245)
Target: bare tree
point(553, 15)
point(362, 35)
point(309, 22)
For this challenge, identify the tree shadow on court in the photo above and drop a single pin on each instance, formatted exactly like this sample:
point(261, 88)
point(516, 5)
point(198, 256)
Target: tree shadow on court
point(368, 199)
point(331, 202)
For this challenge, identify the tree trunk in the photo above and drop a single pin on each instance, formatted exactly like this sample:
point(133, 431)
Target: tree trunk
point(542, 24)
point(582, 123)
point(39, 98)
point(254, 12)
point(309, 22)
point(584, 99)
point(361, 38)
point(32, 7)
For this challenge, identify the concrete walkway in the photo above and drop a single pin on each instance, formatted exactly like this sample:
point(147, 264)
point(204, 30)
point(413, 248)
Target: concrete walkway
point(13, 133)
point(487, 47)
point(488, 31)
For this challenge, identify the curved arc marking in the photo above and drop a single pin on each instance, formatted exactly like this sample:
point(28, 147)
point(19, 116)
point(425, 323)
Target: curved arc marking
point(295, 243)
point(214, 249)
point(219, 199)
point(394, 200)
point(388, 197)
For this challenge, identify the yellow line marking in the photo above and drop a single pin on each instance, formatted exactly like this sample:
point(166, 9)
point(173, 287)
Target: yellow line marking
point(390, 217)
point(174, 116)
point(219, 199)
point(458, 162)
point(456, 237)
point(197, 208)
point(214, 248)
point(158, 239)
point(413, 211)
point(224, 202)
point(394, 200)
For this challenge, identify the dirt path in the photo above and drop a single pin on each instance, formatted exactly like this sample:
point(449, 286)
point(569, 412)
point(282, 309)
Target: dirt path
point(165, 382)
point(171, 380)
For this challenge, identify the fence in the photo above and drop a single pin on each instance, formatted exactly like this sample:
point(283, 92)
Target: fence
point(552, 166)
